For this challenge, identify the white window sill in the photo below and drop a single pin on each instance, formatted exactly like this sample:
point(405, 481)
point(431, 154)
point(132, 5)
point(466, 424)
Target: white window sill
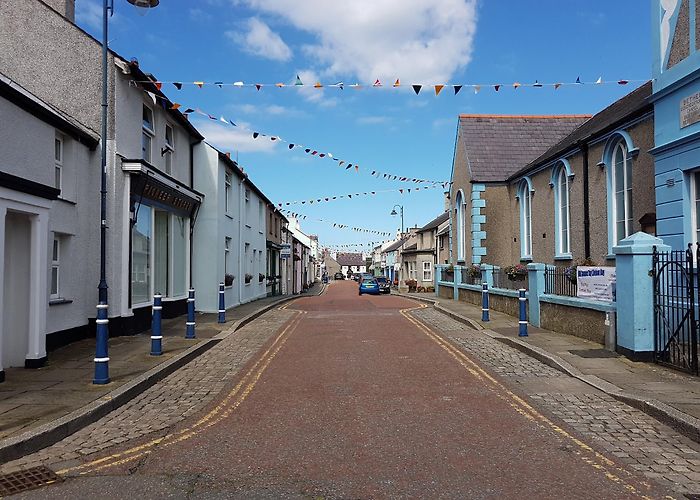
point(229, 216)
point(527, 258)
point(564, 256)
point(57, 301)
point(65, 200)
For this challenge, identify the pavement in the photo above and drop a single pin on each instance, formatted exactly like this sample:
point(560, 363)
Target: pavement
point(41, 406)
point(669, 395)
point(340, 396)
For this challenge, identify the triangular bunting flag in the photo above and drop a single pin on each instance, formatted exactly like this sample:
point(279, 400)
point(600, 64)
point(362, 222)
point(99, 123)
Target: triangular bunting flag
point(219, 84)
point(622, 82)
point(377, 83)
point(599, 80)
point(357, 168)
point(158, 85)
point(457, 88)
point(496, 87)
point(416, 88)
point(175, 106)
point(188, 111)
point(557, 85)
point(298, 82)
point(318, 85)
point(279, 85)
point(222, 119)
point(537, 84)
point(477, 89)
point(178, 85)
point(397, 83)
point(199, 84)
point(258, 86)
point(152, 96)
point(231, 122)
point(291, 146)
point(516, 85)
point(255, 135)
point(578, 79)
point(438, 89)
point(237, 84)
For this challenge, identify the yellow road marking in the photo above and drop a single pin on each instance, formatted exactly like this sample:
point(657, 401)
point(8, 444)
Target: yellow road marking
point(520, 405)
point(218, 413)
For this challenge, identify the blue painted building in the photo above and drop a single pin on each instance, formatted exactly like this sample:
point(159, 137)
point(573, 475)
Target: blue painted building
point(676, 99)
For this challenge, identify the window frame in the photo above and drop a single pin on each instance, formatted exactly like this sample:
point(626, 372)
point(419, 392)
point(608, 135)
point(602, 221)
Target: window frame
point(169, 149)
point(55, 266)
point(562, 244)
point(525, 215)
point(627, 185)
point(228, 189)
point(460, 203)
point(429, 270)
point(59, 145)
point(149, 133)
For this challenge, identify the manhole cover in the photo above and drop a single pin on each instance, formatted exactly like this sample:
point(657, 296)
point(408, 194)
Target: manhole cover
point(28, 479)
point(594, 353)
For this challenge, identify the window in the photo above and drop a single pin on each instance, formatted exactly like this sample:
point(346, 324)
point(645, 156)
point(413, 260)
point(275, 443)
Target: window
point(147, 133)
point(58, 162)
point(621, 182)
point(169, 149)
point(411, 270)
point(227, 255)
point(562, 216)
point(247, 195)
point(227, 192)
point(459, 216)
point(525, 196)
point(55, 268)
point(269, 228)
point(427, 271)
point(261, 211)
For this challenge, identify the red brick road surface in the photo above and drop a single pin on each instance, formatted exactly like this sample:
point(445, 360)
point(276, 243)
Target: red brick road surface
point(354, 400)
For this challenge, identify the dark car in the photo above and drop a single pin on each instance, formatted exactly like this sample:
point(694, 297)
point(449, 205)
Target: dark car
point(356, 277)
point(370, 286)
point(384, 286)
point(338, 276)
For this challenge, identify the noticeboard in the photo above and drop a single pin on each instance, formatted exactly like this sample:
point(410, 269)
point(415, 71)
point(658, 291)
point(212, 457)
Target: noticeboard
point(597, 283)
point(285, 250)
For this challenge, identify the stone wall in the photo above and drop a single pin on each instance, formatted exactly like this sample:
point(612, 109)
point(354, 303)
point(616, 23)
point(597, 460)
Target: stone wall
point(584, 323)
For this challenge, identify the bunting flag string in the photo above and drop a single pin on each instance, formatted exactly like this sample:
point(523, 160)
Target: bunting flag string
point(347, 246)
point(290, 145)
point(298, 84)
point(337, 224)
point(327, 199)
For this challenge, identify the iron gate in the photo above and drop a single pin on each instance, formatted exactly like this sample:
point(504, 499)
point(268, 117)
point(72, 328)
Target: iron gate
point(675, 308)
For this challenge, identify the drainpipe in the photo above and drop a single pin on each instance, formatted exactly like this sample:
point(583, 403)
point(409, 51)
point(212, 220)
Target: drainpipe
point(586, 203)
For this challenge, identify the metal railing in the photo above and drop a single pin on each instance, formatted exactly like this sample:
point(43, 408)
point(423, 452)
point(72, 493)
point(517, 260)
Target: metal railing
point(558, 281)
point(501, 280)
point(469, 278)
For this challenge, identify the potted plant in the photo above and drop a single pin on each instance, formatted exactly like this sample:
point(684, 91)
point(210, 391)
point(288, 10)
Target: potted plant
point(473, 272)
point(570, 272)
point(228, 279)
point(517, 272)
point(449, 272)
point(261, 277)
point(411, 284)
point(248, 278)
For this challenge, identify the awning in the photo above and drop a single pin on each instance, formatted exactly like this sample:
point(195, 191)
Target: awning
point(150, 186)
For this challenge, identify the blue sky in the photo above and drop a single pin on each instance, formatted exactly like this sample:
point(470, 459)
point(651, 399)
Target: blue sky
point(388, 130)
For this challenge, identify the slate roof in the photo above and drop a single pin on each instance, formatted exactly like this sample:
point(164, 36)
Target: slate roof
point(350, 259)
point(395, 245)
point(497, 146)
point(627, 108)
point(435, 222)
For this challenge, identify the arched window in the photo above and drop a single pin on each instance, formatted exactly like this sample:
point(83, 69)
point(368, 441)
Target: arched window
point(621, 184)
point(562, 217)
point(459, 216)
point(525, 196)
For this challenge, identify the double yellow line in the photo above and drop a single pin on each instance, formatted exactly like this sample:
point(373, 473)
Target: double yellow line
point(227, 406)
point(587, 454)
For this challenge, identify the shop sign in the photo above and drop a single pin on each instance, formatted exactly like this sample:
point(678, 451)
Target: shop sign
point(690, 110)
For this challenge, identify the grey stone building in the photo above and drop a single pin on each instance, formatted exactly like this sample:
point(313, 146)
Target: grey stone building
point(419, 258)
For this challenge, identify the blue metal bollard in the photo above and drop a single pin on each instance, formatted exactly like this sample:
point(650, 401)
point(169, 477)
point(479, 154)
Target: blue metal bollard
point(190, 316)
point(156, 332)
point(522, 332)
point(485, 302)
point(222, 305)
point(101, 356)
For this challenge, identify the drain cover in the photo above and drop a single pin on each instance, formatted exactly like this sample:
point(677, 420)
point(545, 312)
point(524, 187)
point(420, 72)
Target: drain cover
point(594, 353)
point(28, 479)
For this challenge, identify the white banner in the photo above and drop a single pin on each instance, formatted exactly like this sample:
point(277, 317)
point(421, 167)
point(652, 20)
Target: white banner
point(597, 283)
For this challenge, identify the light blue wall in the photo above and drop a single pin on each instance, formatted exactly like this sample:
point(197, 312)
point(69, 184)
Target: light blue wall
point(677, 150)
point(478, 236)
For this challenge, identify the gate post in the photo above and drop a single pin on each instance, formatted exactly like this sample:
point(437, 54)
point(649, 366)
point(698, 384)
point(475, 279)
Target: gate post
point(635, 300)
point(535, 280)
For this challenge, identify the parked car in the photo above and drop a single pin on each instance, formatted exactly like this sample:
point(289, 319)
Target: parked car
point(384, 285)
point(356, 277)
point(338, 276)
point(369, 286)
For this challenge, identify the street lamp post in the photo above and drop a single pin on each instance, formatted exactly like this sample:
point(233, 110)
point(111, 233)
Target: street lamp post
point(393, 212)
point(102, 331)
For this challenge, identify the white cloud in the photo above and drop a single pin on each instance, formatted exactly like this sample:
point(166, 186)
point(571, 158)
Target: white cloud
point(89, 14)
point(259, 40)
point(228, 138)
point(272, 109)
point(415, 40)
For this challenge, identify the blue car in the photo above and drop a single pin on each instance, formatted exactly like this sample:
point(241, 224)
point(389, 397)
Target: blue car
point(369, 285)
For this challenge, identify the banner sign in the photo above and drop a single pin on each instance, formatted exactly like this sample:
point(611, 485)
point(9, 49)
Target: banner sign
point(286, 250)
point(597, 283)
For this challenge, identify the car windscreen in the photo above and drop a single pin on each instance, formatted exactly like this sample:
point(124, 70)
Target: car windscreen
point(381, 281)
point(368, 282)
